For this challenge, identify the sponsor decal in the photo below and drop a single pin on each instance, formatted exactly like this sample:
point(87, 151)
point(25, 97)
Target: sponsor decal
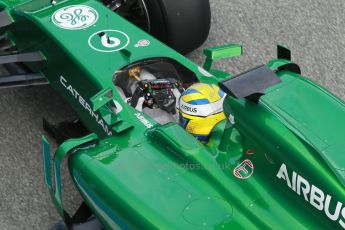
point(187, 109)
point(143, 120)
point(75, 17)
point(85, 105)
point(202, 110)
point(334, 210)
point(142, 43)
point(244, 170)
point(108, 41)
point(250, 151)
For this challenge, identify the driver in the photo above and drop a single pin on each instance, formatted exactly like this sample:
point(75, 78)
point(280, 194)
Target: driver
point(201, 109)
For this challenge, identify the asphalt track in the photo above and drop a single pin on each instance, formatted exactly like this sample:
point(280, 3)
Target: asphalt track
point(313, 29)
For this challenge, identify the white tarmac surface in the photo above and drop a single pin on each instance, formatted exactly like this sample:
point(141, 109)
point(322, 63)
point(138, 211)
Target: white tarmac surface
point(313, 29)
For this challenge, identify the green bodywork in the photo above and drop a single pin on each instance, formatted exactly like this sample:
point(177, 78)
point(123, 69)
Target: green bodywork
point(135, 173)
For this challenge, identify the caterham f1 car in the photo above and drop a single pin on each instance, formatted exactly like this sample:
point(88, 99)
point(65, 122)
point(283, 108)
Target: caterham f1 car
point(272, 160)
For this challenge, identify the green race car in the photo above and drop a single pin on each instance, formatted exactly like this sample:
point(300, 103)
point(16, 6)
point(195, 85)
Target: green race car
point(151, 148)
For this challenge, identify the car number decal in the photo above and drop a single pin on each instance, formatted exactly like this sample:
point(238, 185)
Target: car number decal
point(108, 41)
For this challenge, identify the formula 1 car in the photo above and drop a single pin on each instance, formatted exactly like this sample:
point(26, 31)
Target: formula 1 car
point(275, 162)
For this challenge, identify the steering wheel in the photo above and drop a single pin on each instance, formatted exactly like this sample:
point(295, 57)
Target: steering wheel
point(157, 93)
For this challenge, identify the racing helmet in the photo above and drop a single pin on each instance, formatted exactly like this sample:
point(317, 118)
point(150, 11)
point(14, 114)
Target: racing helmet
point(200, 109)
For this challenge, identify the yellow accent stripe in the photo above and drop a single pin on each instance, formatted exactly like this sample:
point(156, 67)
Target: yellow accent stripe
point(192, 97)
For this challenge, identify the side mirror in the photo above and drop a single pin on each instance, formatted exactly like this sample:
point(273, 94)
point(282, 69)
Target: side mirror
point(101, 99)
point(221, 52)
point(283, 52)
point(105, 103)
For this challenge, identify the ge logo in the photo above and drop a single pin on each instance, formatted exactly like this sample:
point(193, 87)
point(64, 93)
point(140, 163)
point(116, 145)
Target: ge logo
point(75, 17)
point(108, 40)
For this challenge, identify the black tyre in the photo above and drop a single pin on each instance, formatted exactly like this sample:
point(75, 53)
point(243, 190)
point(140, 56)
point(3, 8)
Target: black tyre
point(182, 24)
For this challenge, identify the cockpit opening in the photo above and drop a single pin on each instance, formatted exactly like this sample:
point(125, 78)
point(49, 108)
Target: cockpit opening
point(154, 86)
